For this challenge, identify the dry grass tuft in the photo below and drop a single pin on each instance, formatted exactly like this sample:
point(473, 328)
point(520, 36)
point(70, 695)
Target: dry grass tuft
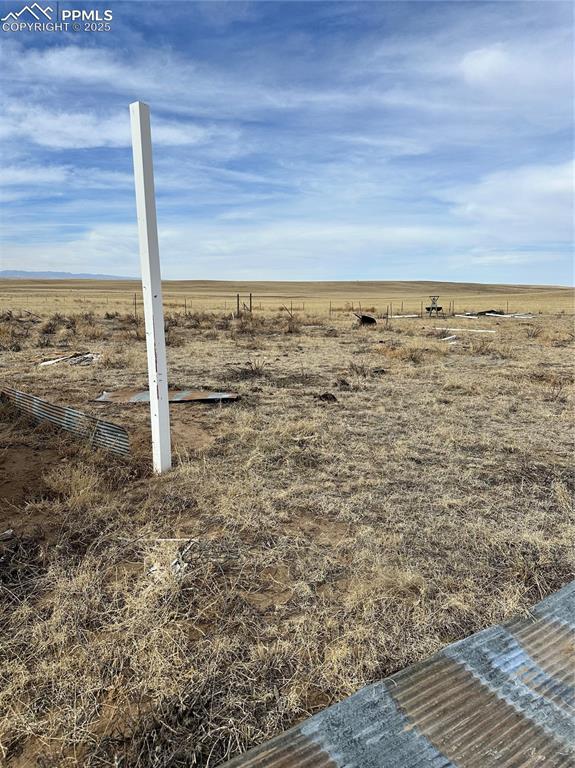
point(296, 552)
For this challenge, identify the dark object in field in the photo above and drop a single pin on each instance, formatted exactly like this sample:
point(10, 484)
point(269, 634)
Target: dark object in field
point(490, 312)
point(434, 307)
point(327, 397)
point(497, 698)
point(174, 396)
point(99, 433)
point(365, 319)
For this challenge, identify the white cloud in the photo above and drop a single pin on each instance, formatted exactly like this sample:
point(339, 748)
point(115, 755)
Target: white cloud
point(414, 144)
point(33, 175)
point(534, 203)
point(82, 130)
point(483, 65)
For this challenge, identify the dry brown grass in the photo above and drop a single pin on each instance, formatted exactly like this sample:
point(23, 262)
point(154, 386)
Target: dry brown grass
point(204, 296)
point(318, 545)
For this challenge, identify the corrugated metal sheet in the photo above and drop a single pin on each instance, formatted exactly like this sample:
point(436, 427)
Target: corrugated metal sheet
point(502, 698)
point(174, 396)
point(102, 434)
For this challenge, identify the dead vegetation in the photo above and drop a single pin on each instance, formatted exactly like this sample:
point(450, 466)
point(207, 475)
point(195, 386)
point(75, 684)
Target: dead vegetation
point(303, 545)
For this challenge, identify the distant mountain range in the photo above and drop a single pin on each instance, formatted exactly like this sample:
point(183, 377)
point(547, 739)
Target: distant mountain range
point(22, 274)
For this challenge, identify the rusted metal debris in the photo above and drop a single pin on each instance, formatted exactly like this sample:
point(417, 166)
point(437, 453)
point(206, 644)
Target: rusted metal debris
point(99, 433)
point(503, 697)
point(365, 319)
point(490, 312)
point(174, 396)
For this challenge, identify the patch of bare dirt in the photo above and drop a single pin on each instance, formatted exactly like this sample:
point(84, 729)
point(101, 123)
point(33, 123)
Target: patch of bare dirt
point(24, 460)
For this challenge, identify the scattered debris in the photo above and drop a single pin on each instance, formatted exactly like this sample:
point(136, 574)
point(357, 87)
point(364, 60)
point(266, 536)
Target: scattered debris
point(465, 330)
point(515, 316)
point(179, 564)
point(9, 534)
point(379, 371)
point(101, 434)
point(491, 312)
point(448, 338)
point(77, 358)
point(192, 551)
point(174, 396)
point(327, 397)
point(496, 313)
point(365, 319)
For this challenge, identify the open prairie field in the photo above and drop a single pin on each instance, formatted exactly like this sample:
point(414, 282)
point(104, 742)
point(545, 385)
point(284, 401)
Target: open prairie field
point(375, 493)
point(210, 295)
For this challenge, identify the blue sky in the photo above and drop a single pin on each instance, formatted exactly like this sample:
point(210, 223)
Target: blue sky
point(370, 140)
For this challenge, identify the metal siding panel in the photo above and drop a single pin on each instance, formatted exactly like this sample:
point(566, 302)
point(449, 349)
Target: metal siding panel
point(102, 434)
point(502, 698)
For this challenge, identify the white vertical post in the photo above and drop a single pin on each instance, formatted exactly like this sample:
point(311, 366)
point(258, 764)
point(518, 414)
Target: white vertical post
point(151, 285)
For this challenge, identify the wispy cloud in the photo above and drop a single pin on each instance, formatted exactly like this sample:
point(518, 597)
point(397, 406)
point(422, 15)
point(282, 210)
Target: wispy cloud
point(325, 140)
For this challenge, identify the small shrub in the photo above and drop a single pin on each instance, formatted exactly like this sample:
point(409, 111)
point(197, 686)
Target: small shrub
point(359, 369)
point(93, 332)
point(223, 323)
point(43, 341)
point(413, 355)
point(114, 359)
point(293, 325)
point(49, 327)
point(482, 346)
point(173, 339)
point(253, 369)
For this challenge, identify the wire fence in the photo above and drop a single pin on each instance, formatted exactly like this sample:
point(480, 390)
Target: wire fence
point(46, 302)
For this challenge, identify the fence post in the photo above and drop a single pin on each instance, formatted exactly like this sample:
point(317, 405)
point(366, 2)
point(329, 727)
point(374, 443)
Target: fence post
point(250, 303)
point(237, 304)
point(151, 285)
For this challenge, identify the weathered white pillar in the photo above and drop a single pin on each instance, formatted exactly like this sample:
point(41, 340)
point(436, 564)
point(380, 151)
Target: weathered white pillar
point(151, 285)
